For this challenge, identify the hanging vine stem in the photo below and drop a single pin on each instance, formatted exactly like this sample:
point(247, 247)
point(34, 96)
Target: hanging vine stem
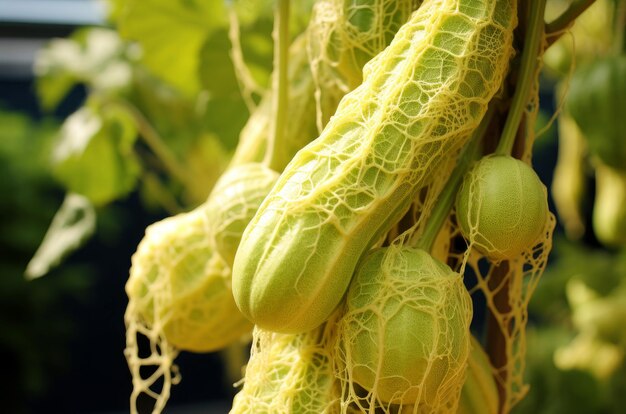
point(156, 143)
point(558, 26)
point(568, 17)
point(531, 56)
point(441, 210)
point(530, 59)
point(274, 157)
point(247, 84)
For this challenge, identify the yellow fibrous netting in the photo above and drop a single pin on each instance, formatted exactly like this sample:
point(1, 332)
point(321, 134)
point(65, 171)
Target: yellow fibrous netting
point(300, 127)
point(404, 337)
point(342, 37)
point(420, 101)
point(289, 374)
point(505, 286)
point(179, 289)
point(235, 199)
point(179, 298)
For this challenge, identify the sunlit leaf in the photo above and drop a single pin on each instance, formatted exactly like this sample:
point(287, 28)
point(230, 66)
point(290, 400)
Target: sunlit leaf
point(94, 155)
point(95, 57)
point(71, 226)
point(171, 34)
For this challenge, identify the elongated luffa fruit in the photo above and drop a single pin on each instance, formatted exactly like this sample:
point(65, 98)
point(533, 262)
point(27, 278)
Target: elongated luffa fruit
point(419, 102)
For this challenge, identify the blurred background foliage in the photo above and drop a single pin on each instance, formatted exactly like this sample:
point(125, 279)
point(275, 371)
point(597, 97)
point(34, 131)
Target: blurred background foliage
point(131, 120)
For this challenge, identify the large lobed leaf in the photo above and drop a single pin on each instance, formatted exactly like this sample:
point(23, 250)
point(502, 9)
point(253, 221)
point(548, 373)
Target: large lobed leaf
point(94, 154)
point(171, 34)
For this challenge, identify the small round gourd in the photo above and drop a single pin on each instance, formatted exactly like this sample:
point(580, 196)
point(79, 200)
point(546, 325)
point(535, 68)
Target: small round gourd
point(405, 335)
point(180, 287)
point(502, 207)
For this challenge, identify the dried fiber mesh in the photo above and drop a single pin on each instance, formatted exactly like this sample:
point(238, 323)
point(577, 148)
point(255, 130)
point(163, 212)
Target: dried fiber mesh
point(404, 338)
point(179, 299)
point(289, 374)
point(344, 35)
point(507, 288)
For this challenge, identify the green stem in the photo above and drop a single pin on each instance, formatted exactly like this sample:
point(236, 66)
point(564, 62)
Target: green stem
point(568, 16)
point(275, 157)
point(154, 141)
point(441, 210)
point(527, 72)
point(620, 27)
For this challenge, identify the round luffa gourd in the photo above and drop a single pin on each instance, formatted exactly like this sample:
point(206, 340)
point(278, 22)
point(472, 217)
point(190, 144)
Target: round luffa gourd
point(405, 334)
point(502, 207)
point(180, 286)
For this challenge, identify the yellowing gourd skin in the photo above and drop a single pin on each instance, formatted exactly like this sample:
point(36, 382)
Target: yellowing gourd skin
point(405, 334)
point(420, 100)
point(480, 393)
point(235, 199)
point(180, 278)
point(502, 207)
point(179, 286)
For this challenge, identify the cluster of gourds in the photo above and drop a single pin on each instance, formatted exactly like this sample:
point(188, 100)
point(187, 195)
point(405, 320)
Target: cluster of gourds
point(352, 311)
point(590, 127)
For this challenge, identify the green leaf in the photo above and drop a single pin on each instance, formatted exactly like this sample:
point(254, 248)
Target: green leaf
point(94, 156)
point(95, 57)
point(73, 223)
point(171, 34)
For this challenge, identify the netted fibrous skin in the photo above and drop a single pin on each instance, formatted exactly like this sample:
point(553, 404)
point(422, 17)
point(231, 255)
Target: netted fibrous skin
point(315, 87)
point(404, 338)
point(180, 298)
point(502, 207)
point(479, 394)
point(178, 283)
point(343, 36)
point(179, 287)
point(235, 199)
point(506, 286)
point(289, 374)
point(420, 100)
